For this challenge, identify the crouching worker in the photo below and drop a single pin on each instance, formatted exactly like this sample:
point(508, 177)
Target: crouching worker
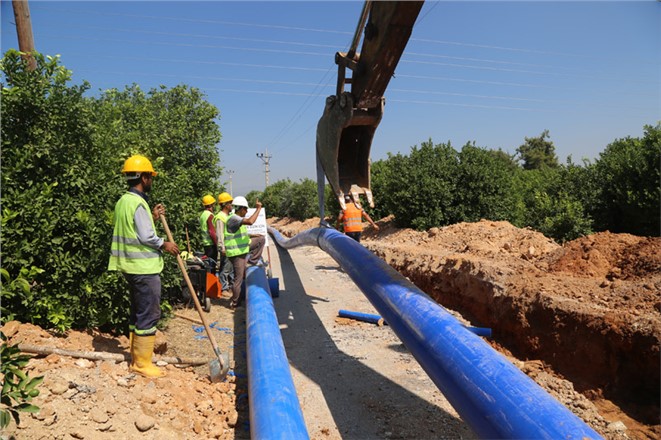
point(137, 252)
point(241, 248)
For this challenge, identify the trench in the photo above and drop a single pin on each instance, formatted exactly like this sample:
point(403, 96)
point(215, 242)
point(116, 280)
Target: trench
point(601, 358)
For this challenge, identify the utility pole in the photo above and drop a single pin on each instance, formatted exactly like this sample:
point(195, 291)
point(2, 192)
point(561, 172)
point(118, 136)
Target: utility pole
point(24, 31)
point(230, 172)
point(265, 158)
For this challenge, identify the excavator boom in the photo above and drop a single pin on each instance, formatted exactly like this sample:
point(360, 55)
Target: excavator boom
point(347, 126)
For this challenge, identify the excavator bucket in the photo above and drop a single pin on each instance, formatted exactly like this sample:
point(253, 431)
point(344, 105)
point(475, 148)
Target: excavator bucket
point(346, 128)
point(344, 139)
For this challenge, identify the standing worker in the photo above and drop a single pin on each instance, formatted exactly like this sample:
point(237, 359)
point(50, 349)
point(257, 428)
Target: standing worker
point(137, 252)
point(241, 248)
point(220, 220)
point(352, 219)
point(207, 229)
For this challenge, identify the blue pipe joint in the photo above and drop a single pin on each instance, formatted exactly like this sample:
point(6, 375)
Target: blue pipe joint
point(490, 394)
point(275, 412)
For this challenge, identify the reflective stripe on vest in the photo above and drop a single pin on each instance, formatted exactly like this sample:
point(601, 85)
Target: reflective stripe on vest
point(237, 243)
point(127, 254)
point(352, 219)
point(206, 238)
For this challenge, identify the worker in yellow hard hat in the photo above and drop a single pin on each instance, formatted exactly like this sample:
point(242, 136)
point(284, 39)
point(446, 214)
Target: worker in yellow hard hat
point(137, 252)
point(220, 221)
point(207, 228)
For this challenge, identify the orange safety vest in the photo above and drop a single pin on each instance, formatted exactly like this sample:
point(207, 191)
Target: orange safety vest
point(352, 219)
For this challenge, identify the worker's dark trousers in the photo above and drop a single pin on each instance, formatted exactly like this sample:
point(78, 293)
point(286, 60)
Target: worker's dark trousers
point(239, 263)
point(145, 303)
point(226, 274)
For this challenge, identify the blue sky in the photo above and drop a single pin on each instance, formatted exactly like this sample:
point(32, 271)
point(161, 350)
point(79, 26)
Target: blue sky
point(490, 72)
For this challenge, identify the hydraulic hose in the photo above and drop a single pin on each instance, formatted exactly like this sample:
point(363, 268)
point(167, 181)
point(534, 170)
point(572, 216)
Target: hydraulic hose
point(494, 397)
point(275, 412)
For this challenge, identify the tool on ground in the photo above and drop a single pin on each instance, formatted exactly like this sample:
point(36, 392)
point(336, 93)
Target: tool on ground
point(218, 368)
point(188, 242)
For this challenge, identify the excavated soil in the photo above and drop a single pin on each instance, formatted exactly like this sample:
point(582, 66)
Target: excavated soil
point(581, 316)
point(588, 310)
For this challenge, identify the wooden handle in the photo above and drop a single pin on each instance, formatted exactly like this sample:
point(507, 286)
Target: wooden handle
point(193, 294)
point(188, 241)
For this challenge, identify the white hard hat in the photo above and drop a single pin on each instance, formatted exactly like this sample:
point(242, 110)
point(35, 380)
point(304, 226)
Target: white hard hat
point(240, 201)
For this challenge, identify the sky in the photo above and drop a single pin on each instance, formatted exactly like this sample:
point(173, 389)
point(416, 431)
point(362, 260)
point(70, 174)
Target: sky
point(489, 72)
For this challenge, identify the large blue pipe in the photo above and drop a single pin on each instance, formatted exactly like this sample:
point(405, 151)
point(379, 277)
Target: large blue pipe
point(275, 412)
point(493, 396)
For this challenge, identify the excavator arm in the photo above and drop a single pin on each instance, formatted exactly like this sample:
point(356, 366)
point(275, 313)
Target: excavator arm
point(347, 126)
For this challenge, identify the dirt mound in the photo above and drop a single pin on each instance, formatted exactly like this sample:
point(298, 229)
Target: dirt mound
point(86, 399)
point(608, 255)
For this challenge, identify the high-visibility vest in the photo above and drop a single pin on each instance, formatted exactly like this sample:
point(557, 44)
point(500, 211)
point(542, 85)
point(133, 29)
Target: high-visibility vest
point(352, 219)
point(237, 243)
point(220, 216)
point(127, 254)
point(206, 238)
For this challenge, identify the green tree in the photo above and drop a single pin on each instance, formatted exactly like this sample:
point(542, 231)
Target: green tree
point(484, 185)
point(627, 173)
point(304, 201)
point(547, 204)
point(50, 219)
point(418, 189)
point(275, 198)
point(538, 152)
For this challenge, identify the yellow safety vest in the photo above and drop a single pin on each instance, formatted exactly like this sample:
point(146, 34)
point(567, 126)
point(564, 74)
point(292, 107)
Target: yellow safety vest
point(206, 238)
point(237, 243)
point(127, 253)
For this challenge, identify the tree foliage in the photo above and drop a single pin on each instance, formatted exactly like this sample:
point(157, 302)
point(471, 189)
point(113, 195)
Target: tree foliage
point(628, 171)
point(538, 152)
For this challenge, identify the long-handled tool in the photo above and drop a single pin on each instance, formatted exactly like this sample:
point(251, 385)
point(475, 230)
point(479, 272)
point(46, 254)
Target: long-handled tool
point(188, 242)
point(218, 367)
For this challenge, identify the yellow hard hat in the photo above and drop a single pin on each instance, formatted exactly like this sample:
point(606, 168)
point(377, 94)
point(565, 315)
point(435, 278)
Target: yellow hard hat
point(137, 164)
point(224, 198)
point(208, 200)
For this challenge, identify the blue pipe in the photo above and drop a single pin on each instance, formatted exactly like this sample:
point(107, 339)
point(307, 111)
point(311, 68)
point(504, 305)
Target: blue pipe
point(275, 412)
point(493, 396)
point(480, 331)
point(367, 317)
point(377, 319)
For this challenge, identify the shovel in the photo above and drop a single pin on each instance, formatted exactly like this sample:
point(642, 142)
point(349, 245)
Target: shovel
point(218, 368)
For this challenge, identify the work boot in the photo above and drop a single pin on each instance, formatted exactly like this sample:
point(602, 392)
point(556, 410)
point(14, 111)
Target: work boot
point(141, 354)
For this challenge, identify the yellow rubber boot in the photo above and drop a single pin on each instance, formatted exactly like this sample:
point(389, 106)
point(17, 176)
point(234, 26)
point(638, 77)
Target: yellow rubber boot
point(143, 349)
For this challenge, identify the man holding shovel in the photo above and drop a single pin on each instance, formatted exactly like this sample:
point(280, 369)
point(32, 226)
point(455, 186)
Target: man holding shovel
point(137, 252)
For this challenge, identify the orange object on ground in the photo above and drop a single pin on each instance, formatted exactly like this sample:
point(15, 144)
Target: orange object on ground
point(214, 289)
